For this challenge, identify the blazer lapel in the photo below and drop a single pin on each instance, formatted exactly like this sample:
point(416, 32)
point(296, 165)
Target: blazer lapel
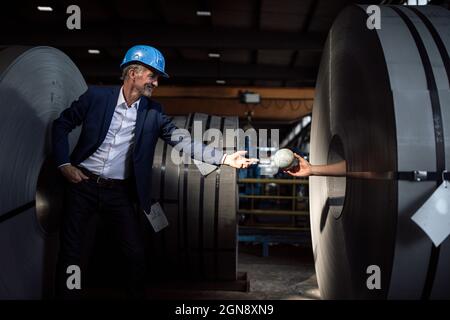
point(141, 116)
point(109, 112)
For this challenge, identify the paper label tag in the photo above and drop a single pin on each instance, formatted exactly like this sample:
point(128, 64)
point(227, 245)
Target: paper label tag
point(157, 218)
point(434, 215)
point(205, 168)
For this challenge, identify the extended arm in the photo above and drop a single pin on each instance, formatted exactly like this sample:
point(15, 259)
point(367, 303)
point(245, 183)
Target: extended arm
point(181, 140)
point(305, 169)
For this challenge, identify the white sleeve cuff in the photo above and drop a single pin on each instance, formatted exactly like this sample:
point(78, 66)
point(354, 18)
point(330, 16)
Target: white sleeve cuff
point(223, 158)
point(63, 165)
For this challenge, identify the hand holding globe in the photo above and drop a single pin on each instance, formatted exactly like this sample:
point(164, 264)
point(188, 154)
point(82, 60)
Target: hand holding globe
point(292, 163)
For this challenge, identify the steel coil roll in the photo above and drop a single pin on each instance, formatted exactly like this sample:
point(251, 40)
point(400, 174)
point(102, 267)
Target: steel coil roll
point(201, 239)
point(383, 104)
point(35, 86)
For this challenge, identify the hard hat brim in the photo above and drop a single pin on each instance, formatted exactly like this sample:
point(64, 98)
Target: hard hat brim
point(161, 73)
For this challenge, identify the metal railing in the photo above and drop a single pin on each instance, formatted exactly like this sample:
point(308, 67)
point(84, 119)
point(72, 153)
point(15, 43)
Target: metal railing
point(250, 204)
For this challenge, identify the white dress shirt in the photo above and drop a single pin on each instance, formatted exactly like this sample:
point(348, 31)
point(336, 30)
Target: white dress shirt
point(111, 159)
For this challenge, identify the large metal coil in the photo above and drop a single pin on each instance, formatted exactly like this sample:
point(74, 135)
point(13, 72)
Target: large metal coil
point(201, 239)
point(383, 104)
point(35, 86)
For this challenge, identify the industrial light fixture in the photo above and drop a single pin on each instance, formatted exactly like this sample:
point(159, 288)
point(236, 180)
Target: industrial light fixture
point(44, 8)
point(94, 51)
point(249, 97)
point(416, 2)
point(220, 81)
point(203, 13)
point(214, 55)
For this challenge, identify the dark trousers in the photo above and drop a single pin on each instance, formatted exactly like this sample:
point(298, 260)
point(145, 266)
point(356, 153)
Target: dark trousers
point(115, 206)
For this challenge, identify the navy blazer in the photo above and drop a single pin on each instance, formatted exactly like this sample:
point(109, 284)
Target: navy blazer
point(94, 111)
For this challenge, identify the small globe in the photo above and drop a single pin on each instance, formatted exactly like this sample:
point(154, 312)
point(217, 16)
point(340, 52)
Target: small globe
point(283, 158)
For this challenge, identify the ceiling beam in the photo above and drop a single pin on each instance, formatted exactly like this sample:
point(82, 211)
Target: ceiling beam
point(256, 27)
point(234, 92)
point(206, 69)
point(312, 7)
point(170, 36)
point(268, 110)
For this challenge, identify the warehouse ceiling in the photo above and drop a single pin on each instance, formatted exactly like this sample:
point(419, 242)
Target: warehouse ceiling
point(268, 43)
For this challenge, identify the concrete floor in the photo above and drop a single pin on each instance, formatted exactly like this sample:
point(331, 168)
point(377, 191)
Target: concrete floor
point(288, 273)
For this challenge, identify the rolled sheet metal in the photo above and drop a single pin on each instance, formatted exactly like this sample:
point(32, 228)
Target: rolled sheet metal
point(201, 239)
point(383, 104)
point(35, 86)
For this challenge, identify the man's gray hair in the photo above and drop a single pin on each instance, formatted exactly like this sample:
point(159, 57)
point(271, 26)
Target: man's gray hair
point(137, 67)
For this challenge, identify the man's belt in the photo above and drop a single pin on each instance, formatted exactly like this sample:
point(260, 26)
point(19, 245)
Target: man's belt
point(106, 182)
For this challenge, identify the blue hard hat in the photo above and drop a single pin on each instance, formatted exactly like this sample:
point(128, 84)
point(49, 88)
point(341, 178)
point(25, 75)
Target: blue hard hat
point(146, 55)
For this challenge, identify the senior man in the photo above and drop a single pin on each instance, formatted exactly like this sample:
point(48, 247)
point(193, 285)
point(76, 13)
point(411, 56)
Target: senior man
point(110, 168)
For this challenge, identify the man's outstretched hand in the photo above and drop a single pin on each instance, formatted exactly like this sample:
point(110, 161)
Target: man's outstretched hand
point(238, 161)
point(303, 169)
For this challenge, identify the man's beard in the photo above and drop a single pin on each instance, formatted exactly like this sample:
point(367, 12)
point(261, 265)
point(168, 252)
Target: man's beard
point(147, 91)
